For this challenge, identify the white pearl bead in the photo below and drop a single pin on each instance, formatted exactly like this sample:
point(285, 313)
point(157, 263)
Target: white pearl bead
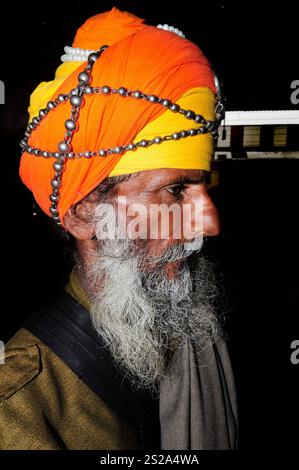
point(77, 54)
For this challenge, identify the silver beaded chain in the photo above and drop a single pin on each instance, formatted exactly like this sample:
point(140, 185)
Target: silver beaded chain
point(76, 97)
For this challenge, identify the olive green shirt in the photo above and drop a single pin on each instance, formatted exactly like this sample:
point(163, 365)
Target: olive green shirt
point(44, 405)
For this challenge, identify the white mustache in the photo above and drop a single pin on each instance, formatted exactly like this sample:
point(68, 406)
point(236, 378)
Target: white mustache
point(195, 245)
point(178, 252)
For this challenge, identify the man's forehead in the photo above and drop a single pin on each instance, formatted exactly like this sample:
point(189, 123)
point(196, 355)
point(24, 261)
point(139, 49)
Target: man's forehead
point(152, 179)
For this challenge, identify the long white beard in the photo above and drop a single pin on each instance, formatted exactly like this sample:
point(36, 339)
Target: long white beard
point(142, 315)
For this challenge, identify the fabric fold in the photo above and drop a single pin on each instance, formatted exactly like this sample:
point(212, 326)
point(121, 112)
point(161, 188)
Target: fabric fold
point(198, 406)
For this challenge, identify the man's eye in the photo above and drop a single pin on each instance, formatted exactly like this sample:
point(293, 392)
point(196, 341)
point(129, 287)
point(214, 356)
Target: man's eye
point(176, 191)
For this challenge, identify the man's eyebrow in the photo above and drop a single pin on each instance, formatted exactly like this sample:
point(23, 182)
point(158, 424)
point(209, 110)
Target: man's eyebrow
point(187, 179)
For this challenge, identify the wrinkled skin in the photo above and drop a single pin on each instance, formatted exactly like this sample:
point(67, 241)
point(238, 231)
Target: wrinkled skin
point(168, 186)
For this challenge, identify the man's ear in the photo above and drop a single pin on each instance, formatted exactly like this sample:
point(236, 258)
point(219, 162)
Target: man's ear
point(78, 220)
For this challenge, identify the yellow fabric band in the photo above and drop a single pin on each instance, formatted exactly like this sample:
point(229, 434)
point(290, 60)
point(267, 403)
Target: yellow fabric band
point(46, 90)
point(190, 153)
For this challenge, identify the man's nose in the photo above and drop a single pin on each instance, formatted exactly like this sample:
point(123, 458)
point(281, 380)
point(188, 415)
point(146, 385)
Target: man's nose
point(211, 222)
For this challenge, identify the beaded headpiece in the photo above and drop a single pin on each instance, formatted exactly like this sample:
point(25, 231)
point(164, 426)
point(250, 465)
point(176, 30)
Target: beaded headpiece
point(75, 96)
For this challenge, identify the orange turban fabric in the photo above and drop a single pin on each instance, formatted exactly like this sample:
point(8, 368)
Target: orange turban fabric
point(139, 57)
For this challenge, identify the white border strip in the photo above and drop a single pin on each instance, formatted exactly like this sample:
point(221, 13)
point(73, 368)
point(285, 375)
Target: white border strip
point(257, 155)
point(259, 118)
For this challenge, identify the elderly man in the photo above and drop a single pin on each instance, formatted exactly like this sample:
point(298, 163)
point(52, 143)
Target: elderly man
point(130, 355)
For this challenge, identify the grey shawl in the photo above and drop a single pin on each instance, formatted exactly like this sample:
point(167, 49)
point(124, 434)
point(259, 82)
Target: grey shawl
point(198, 407)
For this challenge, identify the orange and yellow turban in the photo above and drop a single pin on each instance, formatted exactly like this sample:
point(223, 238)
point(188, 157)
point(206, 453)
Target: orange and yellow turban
point(139, 57)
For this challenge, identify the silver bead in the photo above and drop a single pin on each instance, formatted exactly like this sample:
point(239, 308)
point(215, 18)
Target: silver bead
point(36, 152)
point(174, 108)
point(42, 113)
point(53, 210)
point(198, 118)
point(153, 98)
point(220, 108)
point(70, 125)
point(57, 155)
point(122, 91)
point(58, 166)
point(131, 146)
point(166, 103)
point(45, 154)
point(137, 94)
point(93, 57)
point(74, 91)
point(54, 198)
point(143, 143)
point(192, 132)
point(88, 90)
point(102, 153)
point(70, 155)
point(76, 100)
point(64, 147)
point(184, 133)
point(50, 105)
point(55, 183)
point(36, 120)
point(84, 77)
point(106, 89)
point(61, 98)
point(117, 150)
point(157, 140)
point(175, 136)
point(103, 48)
point(189, 114)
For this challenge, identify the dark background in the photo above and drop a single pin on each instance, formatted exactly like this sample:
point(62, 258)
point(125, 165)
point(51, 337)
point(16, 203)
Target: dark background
point(253, 48)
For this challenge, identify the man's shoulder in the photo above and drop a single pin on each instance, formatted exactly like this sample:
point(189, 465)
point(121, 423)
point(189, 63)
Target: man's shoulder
point(21, 363)
point(24, 394)
point(27, 358)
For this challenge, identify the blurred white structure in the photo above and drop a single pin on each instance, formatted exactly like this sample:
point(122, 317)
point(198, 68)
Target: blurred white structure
point(259, 134)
